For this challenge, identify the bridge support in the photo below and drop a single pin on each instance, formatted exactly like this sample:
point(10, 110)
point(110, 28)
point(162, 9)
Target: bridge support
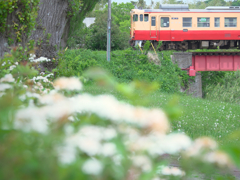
point(184, 61)
point(205, 61)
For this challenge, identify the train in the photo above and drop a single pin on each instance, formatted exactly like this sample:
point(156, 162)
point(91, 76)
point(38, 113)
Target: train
point(176, 27)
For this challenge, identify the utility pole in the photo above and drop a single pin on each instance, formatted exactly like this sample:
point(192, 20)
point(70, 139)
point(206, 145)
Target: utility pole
point(109, 32)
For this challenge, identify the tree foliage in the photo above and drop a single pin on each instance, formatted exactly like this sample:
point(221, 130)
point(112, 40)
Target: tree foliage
point(25, 13)
point(97, 36)
point(77, 19)
point(236, 3)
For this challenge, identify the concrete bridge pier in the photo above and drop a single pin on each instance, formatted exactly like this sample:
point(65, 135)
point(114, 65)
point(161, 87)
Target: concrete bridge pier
point(184, 61)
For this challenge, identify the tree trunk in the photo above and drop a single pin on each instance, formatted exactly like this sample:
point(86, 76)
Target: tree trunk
point(8, 38)
point(3, 44)
point(50, 27)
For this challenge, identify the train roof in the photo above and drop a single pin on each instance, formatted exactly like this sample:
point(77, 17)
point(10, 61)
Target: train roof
point(190, 10)
point(185, 8)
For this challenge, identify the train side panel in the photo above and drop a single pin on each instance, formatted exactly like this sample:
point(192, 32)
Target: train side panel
point(176, 31)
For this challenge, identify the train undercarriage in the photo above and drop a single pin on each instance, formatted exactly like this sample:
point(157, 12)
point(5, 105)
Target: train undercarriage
point(187, 45)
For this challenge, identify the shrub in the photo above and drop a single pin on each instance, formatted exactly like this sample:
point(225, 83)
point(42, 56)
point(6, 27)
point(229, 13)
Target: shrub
point(226, 90)
point(74, 63)
point(125, 66)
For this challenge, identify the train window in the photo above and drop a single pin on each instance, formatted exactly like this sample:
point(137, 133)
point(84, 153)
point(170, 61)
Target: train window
point(217, 22)
point(141, 17)
point(187, 22)
point(203, 22)
point(164, 21)
point(230, 22)
point(153, 21)
point(135, 17)
point(146, 17)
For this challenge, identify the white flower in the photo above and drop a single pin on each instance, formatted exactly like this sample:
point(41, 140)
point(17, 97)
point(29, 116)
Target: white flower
point(167, 171)
point(32, 57)
point(72, 83)
point(1, 94)
point(117, 159)
point(22, 97)
point(3, 86)
point(41, 59)
point(109, 149)
point(109, 133)
point(47, 76)
point(25, 86)
point(71, 118)
point(25, 121)
point(40, 78)
point(218, 157)
point(66, 154)
point(89, 145)
point(93, 167)
point(158, 144)
point(12, 67)
point(34, 95)
point(142, 162)
point(200, 144)
point(51, 98)
point(68, 129)
point(7, 78)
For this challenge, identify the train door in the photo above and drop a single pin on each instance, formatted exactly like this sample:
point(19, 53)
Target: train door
point(165, 30)
point(153, 27)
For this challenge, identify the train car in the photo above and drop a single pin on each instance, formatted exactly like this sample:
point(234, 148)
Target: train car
point(180, 28)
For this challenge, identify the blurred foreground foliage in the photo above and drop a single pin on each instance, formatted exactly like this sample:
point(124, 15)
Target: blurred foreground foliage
point(50, 129)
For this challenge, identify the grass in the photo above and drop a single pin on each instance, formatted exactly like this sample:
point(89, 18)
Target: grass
point(200, 117)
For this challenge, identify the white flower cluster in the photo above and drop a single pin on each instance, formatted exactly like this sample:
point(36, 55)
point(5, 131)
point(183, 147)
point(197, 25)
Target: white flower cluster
point(205, 149)
point(41, 59)
point(44, 79)
point(170, 171)
point(142, 130)
point(13, 66)
point(72, 83)
point(158, 144)
point(104, 106)
point(4, 86)
point(92, 167)
point(91, 140)
point(8, 78)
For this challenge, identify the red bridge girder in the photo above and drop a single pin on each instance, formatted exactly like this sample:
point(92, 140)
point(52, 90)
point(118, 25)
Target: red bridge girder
point(214, 61)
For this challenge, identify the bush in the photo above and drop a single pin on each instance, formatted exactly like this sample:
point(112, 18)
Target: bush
point(226, 90)
point(74, 63)
point(125, 66)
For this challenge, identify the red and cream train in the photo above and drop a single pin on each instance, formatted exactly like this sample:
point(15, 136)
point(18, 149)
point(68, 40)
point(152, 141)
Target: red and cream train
point(181, 28)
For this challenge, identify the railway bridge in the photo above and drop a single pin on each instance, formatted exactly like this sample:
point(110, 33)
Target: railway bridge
point(214, 61)
point(194, 62)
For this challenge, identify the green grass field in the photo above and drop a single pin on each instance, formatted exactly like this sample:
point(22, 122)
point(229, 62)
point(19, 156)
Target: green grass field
point(200, 117)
